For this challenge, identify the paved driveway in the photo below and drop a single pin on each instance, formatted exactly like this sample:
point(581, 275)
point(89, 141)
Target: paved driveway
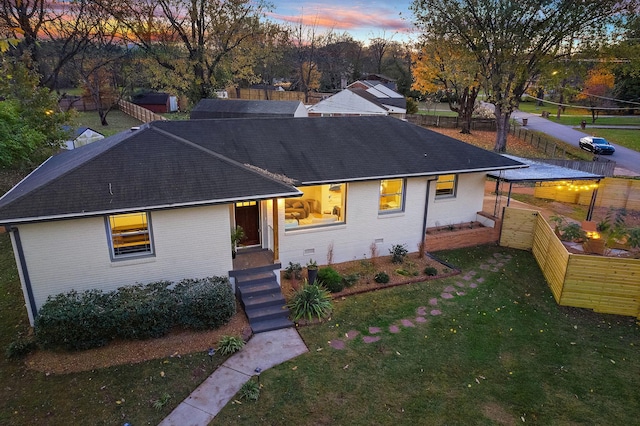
point(624, 157)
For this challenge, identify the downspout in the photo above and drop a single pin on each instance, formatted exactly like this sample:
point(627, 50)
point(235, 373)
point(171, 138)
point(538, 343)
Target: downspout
point(22, 265)
point(426, 210)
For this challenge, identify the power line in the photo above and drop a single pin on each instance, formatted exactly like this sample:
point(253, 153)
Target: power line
point(576, 106)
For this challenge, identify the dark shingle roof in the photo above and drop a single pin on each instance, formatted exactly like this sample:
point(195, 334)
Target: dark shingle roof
point(177, 163)
point(131, 171)
point(239, 108)
point(151, 98)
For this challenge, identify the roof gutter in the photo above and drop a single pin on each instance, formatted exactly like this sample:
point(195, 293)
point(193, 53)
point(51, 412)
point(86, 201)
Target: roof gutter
point(404, 175)
point(156, 207)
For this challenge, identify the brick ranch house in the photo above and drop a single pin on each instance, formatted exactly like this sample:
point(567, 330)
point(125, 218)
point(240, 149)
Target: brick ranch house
point(160, 202)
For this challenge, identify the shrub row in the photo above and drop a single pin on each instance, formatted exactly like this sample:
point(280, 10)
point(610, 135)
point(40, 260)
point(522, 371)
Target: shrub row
point(76, 321)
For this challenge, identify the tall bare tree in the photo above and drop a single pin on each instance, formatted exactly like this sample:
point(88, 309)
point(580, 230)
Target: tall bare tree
point(197, 40)
point(512, 39)
point(53, 33)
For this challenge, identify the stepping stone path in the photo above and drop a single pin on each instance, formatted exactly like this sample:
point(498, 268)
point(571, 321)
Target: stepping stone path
point(493, 264)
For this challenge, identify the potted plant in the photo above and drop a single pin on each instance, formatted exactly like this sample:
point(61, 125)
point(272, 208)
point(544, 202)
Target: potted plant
point(312, 271)
point(237, 235)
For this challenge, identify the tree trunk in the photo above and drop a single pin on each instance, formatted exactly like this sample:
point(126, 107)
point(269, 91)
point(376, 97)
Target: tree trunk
point(502, 129)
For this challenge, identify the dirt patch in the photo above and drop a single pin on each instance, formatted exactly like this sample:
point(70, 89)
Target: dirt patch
point(177, 343)
point(498, 414)
point(410, 271)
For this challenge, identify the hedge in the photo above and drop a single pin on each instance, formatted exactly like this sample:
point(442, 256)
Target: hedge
point(76, 321)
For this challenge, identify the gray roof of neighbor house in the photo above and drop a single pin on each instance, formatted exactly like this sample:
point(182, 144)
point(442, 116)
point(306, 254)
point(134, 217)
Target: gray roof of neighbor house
point(151, 98)
point(240, 108)
point(179, 163)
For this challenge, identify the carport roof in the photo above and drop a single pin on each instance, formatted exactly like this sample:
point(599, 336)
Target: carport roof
point(540, 172)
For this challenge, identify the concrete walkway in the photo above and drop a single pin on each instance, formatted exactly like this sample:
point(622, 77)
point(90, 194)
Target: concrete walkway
point(263, 351)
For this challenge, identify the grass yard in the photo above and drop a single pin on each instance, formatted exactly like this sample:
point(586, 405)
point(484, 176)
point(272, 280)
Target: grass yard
point(502, 353)
point(118, 121)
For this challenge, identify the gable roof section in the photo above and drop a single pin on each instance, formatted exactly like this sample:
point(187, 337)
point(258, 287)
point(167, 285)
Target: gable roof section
point(352, 101)
point(151, 98)
point(145, 169)
point(237, 108)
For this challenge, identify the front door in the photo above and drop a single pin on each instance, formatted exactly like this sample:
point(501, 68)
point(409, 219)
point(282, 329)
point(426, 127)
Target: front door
point(248, 217)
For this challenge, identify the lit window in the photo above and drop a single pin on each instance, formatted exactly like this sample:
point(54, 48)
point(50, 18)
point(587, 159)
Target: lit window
point(391, 195)
point(129, 235)
point(319, 205)
point(446, 186)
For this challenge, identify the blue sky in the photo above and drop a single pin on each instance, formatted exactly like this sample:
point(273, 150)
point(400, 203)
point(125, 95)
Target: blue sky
point(362, 19)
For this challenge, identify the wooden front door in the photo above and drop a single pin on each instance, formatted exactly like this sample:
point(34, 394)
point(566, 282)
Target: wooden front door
point(248, 217)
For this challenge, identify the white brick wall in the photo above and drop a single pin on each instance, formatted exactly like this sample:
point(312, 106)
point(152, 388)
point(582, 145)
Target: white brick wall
point(74, 254)
point(461, 208)
point(364, 225)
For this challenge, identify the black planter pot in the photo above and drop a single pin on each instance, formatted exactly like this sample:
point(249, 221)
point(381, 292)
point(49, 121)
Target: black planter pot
point(312, 275)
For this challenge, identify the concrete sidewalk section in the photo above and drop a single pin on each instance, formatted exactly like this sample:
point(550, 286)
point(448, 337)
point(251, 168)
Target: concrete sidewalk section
point(263, 351)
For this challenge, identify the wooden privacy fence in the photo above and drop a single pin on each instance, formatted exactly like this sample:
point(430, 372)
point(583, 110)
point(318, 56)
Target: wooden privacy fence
point(605, 284)
point(612, 192)
point(265, 95)
point(450, 122)
point(137, 112)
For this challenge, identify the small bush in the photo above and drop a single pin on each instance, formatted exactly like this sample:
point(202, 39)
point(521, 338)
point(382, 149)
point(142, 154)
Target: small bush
point(294, 270)
point(430, 271)
point(230, 344)
point(310, 301)
point(331, 279)
point(20, 347)
point(398, 253)
point(381, 277)
point(205, 304)
point(349, 280)
point(75, 321)
point(143, 311)
point(250, 391)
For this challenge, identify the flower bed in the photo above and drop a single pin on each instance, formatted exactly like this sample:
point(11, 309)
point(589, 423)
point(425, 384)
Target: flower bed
point(407, 272)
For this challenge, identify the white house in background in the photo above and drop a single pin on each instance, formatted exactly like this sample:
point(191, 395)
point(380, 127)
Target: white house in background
point(159, 203)
point(360, 99)
point(82, 136)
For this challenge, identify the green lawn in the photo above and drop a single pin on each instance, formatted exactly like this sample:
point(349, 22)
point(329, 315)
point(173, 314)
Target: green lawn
point(573, 116)
point(501, 352)
point(504, 353)
point(118, 121)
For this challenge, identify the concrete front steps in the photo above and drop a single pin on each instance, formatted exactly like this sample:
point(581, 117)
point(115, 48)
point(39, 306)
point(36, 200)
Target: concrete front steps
point(262, 299)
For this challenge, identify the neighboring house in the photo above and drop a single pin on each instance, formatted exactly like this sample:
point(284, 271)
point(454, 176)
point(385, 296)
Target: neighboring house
point(159, 203)
point(81, 137)
point(355, 101)
point(239, 108)
point(375, 79)
point(158, 102)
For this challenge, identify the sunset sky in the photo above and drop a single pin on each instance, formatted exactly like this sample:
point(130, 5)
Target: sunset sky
point(361, 18)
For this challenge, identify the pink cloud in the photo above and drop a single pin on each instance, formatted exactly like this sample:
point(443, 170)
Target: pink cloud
point(348, 19)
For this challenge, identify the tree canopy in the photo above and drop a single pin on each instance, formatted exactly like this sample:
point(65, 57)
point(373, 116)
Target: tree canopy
point(31, 124)
point(512, 40)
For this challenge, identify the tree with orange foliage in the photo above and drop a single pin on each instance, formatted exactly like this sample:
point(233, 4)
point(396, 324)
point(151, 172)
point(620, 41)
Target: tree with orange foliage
point(597, 89)
point(442, 65)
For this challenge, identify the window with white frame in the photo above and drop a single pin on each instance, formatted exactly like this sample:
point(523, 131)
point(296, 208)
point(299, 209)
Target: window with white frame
point(391, 195)
point(446, 186)
point(129, 235)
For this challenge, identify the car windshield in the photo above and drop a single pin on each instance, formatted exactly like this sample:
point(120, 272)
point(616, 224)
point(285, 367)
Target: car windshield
point(600, 141)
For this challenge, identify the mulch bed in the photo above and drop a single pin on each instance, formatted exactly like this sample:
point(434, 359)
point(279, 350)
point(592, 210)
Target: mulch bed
point(410, 271)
